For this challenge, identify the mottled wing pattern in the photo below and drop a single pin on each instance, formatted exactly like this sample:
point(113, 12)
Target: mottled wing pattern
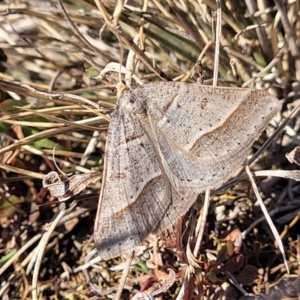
point(136, 197)
point(203, 134)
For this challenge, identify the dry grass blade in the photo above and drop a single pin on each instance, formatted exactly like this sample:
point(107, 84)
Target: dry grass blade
point(268, 218)
point(40, 252)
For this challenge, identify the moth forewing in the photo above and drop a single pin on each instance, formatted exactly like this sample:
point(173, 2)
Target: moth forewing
point(220, 141)
point(136, 197)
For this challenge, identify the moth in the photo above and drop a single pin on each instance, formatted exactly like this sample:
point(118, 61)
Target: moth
point(168, 142)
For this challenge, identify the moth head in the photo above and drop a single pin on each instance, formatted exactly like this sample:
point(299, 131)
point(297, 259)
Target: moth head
point(133, 104)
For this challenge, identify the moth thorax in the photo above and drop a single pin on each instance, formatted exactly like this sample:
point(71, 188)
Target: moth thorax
point(136, 105)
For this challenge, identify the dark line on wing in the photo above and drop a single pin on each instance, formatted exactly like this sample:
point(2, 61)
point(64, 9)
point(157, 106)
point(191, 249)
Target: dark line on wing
point(132, 138)
point(166, 107)
point(131, 206)
point(221, 126)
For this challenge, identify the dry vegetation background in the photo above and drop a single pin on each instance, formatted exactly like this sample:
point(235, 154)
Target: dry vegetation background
point(44, 82)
